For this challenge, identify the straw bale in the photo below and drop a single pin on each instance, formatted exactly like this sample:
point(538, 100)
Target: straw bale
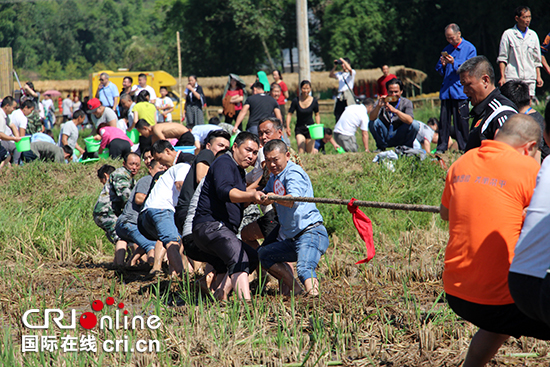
point(213, 87)
point(63, 86)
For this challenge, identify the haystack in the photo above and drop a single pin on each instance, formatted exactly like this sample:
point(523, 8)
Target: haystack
point(213, 87)
point(63, 86)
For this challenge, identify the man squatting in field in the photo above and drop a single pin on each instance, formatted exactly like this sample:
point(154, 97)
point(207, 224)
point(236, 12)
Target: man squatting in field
point(302, 236)
point(112, 200)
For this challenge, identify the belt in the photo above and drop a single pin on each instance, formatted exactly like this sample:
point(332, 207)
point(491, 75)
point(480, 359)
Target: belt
point(311, 226)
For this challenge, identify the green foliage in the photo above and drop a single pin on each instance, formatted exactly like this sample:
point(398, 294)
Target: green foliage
point(214, 40)
point(360, 30)
point(68, 39)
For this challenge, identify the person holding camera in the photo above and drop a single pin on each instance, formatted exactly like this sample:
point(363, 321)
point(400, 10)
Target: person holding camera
point(391, 119)
point(345, 78)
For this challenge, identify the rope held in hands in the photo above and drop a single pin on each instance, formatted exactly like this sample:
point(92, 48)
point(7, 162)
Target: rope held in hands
point(368, 204)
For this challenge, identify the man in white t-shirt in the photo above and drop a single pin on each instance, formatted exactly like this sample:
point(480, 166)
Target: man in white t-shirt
point(49, 111)
point(354, 116)
point(346, 79)
point(142, 84)
point(67, 106)
point(165, 106)
point(69, 131)
point(156, 219)
point(18, 118)
point(6, 140)
point(200, 132)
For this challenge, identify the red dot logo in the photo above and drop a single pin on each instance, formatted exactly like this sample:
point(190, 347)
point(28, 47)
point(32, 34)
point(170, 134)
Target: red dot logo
point(88, 320)
point(110, 301)
point(97, 305)
point(121, 305)
point(126, 312)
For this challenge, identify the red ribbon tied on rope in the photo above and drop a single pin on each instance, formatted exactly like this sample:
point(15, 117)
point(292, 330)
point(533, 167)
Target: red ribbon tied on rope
point(364, 227)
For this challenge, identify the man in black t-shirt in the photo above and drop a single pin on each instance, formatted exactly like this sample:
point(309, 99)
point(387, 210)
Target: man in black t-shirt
point(216, 141)
point(261, 106)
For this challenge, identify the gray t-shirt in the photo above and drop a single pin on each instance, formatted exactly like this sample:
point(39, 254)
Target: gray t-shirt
point(48, 152)
point(424, 132)
point(131, 210)
point(108, 115)
point(69, 129)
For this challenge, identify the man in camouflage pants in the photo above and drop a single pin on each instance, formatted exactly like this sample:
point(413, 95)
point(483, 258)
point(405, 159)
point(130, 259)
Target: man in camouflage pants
point(112, 200)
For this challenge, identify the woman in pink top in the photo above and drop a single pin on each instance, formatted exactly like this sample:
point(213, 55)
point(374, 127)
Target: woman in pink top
point(115, 140)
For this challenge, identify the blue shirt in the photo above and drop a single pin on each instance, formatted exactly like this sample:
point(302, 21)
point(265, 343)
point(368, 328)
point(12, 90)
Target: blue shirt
point(107, 94)
point(214, 203)
point(451, 87)
point(42, 137)
point(293, 180)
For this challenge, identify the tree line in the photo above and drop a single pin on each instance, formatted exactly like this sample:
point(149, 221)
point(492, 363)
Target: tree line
point(66, 39)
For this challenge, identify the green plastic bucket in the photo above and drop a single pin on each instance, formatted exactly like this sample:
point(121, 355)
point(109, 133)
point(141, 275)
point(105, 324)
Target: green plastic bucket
point(133, 135)
point(316, 131)
point(23, 145)
point(104, 154)
point(91, 144)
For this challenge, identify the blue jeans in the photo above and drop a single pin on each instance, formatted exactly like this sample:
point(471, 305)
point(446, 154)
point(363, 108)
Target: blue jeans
point(159, 224)
point(129, 232)
point(404, 135)
point(49, 121)
point(306, 250)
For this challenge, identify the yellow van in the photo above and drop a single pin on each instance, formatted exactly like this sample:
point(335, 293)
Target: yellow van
point(155, 79)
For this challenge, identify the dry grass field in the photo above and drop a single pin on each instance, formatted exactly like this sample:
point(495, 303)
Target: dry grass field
point(390, 312)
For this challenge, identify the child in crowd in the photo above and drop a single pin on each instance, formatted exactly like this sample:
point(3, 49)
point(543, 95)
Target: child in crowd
point(328, 138)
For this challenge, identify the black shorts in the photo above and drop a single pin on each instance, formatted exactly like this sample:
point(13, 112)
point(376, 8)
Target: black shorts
point(216, 239)
point(268, 222)
point(118, 148)
point(303, 130)
point(187, 140)
point(3, 153)
point(194, 253)
point(501, 319)
point(531, 295)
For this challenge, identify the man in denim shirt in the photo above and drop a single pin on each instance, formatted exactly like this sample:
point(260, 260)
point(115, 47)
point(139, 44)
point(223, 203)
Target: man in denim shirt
point(302, 236)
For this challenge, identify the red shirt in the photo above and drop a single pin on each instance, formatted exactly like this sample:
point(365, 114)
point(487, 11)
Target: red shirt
point(284, 88)
point(236, 92)
point(382, 91)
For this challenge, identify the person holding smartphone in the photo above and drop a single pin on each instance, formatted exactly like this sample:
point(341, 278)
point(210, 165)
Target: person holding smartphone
point(346, 78)
point(391, 119)
point(454, 103)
